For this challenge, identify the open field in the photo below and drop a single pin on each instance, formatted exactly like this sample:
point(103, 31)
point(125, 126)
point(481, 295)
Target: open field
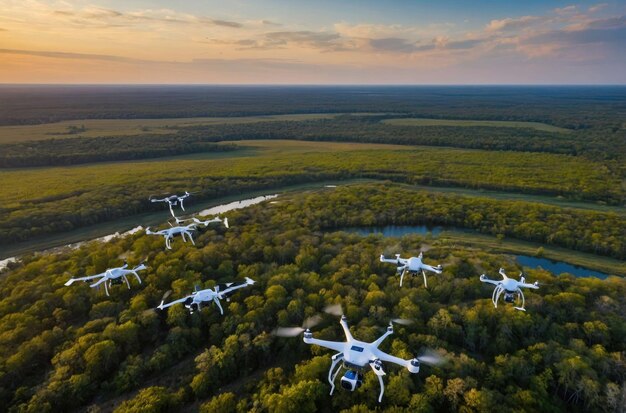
point(90, 128)
point(130, 127)
point(470, 123)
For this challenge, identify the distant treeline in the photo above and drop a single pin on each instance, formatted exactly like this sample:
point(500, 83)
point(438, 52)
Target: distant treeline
point(71, 151)
point(568, 107)
point(594, 144)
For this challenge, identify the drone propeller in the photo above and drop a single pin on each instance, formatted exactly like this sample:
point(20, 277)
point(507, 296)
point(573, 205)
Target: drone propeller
point(334, 309)
point(432, 358)
point(294, 331)
point(402, 321)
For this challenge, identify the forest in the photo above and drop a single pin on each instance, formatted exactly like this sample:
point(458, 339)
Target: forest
point(600, 143)
point(45, 201)
point(66, 348)
point(564, 106)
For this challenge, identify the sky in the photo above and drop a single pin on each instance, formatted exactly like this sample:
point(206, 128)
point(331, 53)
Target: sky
point(313, 42)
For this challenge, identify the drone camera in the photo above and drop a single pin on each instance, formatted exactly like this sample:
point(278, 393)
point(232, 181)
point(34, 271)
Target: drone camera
point(352, 380)
point(509, 297)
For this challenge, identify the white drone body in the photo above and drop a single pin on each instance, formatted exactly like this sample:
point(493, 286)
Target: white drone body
point(198, 297)
point(411, 265)
point(356, 356)
point(111, 275)
point(205, 223)
point(173, 200)
point(170, 232)
point(510, 287)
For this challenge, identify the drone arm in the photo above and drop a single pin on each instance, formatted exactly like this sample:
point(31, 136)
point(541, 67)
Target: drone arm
point(483, 278)
point(396, 261)
point(90, 277)
point(411, 365)
point(228, 290)
point(171, 303)
point(427, 267)
point(346, 329)
point(527, 285)
point(333, 345)
point(383, 337)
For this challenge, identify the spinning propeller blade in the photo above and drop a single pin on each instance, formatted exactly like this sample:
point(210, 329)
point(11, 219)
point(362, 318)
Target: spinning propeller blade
point(294, 331)
point(432, 358)
point(334, 309)
point(402, 321)
point(288, 331)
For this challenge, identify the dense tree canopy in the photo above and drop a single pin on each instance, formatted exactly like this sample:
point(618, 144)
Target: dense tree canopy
point(63, 348)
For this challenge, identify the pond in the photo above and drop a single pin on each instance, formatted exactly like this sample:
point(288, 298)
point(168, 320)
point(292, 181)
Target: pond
point(398, 230)
point(555, 267)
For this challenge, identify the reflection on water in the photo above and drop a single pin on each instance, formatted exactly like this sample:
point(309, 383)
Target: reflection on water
point(220, 209)
point(397, 230)
point(557, 267)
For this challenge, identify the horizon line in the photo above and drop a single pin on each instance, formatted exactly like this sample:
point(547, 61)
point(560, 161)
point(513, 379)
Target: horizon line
point(315, 84)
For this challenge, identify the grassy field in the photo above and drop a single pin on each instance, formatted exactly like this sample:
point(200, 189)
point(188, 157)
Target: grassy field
point(122, 127)
point(468, 123)
point(131, 127)
point(476, 168)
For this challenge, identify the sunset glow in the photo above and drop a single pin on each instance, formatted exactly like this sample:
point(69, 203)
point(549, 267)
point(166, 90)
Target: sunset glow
point(324, 42)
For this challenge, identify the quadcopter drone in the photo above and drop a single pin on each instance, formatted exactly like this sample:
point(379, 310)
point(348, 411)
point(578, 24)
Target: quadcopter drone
point(411, 265)
point(173, 200)
point(198, 297)
point(170, 232)
point(356, 355)
point(112, 275)
point(510, 287)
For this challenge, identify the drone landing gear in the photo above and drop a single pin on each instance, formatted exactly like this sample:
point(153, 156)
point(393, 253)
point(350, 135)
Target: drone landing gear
point(217, 301)
point(332, 376)
point(523, 301)
point(509, 297)
point(402, 276)
point(425, 282)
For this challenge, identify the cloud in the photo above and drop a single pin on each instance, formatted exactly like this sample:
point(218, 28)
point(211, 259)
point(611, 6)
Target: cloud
point(395, 44)
point(69, 55)
point(566, 10)
point(597, 7)
point(512, 24)
point(225, 23)
point(270, 23)
point(116, 18)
